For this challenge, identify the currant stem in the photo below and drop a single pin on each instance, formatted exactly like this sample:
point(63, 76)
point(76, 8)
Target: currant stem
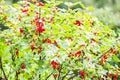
point(2, 69)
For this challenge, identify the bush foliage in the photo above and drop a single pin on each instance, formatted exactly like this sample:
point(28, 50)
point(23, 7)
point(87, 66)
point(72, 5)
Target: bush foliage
point(48, 43)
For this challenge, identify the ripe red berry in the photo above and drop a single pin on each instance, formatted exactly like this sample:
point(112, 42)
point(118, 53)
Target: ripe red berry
point(24, 10)
point(55, 75)
point(32, 47)
point(69, 55)
point(37, 12)
point(41, 4)
point(39, 28)
point(78, 23)
point(81, 73)
point(43, 19)
point(105, 56)
point(78, 53)
point(23, 66)
point(21, 30)
point(115, 77)
point(55, 42)
point(114, 51)
point(34, 2)
point(101, 62)
point(54, 64)
point(49, 41)
point(58, 68)
point(17, 52)
point(108, 34)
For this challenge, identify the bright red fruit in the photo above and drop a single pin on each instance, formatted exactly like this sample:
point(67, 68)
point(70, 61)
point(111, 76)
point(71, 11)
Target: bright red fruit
point(55, 75)
point(39, 26)
point(101, 61)
point(105, 56)
point(49, 41)
point(55, 42)
point(23, 66)
point(37, 12)
point(69, 55)
point(32, 47)
point(21, 30)
point(43, 19)
point(115, 77)
point(114, 51)
point(55, 65)
point(58, 68)
point(17, 52)
point(34, 2)
point(78, 53)
point(41, 4)
point(78, 23)
point(81, 73)
point(108, 34)
point(39, 30)
point(24, 10)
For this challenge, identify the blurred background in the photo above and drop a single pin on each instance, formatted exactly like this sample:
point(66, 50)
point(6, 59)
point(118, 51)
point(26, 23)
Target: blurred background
point(108, 11)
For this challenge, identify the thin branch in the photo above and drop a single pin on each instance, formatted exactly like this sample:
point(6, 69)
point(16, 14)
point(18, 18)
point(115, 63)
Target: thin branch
point(16, 75)
point(65, 75)
point(72, 77)
point(48, 76)
point(39, 76)
point(59, 73)
point(2, 69)
point(39, 13)
point(103, 54)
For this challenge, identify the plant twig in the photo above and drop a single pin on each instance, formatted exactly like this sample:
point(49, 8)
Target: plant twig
point(72, 77)
point(16, 75)
point(65, 75)
point(39, 76)
point(48, 76)
point(59, 73)
point(2, 69)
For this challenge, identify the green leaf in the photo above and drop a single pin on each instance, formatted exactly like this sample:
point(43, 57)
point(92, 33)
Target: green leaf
point(115, 58)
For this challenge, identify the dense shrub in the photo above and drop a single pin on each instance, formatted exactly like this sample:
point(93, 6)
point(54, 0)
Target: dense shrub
point(46, 42)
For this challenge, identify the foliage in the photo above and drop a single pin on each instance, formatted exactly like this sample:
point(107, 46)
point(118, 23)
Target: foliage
point(108, 17)
point(107, 11)
point(46, 42)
